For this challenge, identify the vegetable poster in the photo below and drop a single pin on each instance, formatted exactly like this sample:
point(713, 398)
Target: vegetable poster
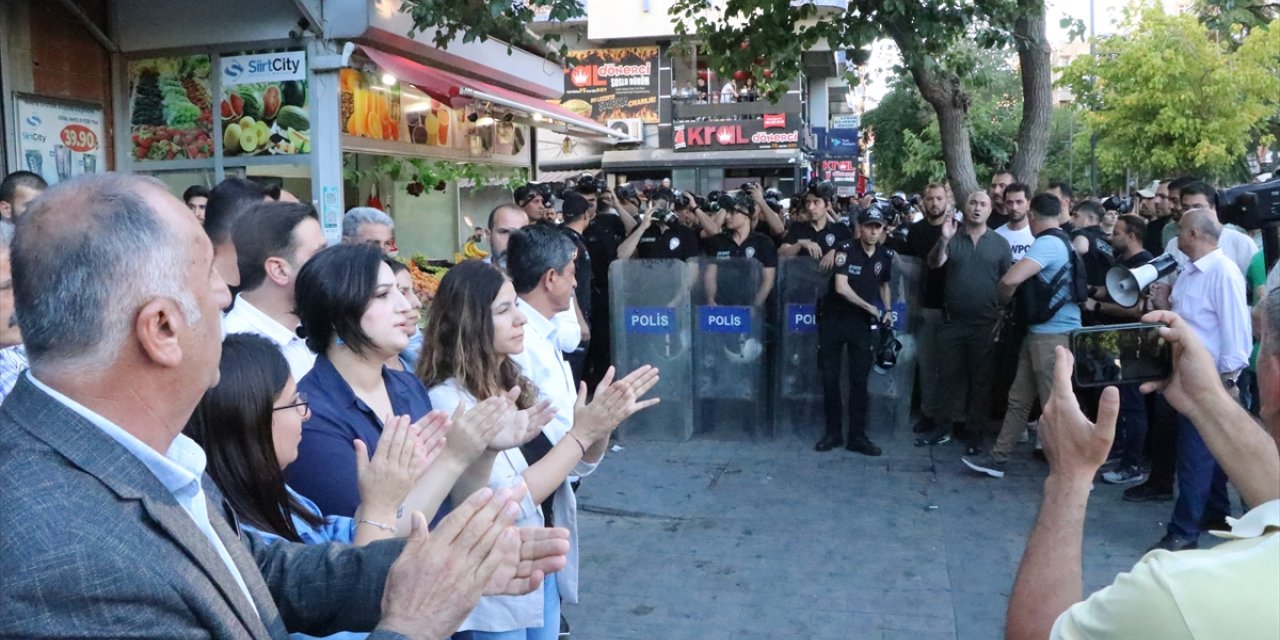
point(263, 105)
point(170, 109)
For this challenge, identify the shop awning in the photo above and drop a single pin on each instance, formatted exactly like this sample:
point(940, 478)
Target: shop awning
point(666, 158)
point(457, 91)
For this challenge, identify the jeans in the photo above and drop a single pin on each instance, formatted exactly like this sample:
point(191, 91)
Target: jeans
point(1162, 443)
point(1033, 380)
point(1131, 428)
point(550, 629)
point(836, 333)
point(1202, 485)
point(934, 403)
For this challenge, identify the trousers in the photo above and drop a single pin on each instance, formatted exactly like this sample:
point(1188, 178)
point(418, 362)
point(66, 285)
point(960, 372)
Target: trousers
point(1202, 485)
point(935, 406)
point(964, 377)
point(837, 334)
point(1033, 380)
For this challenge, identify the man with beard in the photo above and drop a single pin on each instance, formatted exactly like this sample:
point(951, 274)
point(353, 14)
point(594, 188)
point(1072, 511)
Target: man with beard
point(1000, 182)
point(1017, 231)
point(922, 238)
point(974, 259)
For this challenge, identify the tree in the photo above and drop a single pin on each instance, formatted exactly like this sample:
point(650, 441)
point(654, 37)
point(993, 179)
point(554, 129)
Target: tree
point(908, 144)
point(1165, 96)
point(483, 19)
point(749, 33)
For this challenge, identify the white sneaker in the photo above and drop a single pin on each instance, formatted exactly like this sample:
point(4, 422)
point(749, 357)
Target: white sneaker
point(1125, 475)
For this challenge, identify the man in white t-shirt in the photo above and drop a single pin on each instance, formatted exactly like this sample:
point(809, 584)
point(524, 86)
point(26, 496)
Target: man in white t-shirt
point(1017, 202)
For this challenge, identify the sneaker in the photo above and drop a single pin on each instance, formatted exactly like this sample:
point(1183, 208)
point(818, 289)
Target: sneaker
point(937, 436)
point(1125, 475)
point(986, 464)
point(1147, 493)
point(1172, 542)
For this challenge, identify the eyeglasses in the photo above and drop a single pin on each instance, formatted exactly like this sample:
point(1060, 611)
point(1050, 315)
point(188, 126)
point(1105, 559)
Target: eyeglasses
point(301, 406)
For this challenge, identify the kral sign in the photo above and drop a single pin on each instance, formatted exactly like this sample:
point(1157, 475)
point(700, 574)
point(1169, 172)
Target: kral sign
point(773, 131)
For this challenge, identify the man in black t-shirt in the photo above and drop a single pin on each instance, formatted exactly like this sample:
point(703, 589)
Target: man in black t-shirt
point(602, 237)
point(1094, 247)
point(921, 239)
point(849, 319)
point(665, 233)
point(813, 233)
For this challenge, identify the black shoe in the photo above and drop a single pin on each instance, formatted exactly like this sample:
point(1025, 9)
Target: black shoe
point(1171, 542)
point(937, 436)
point(828, 442)
point(924, 426)
point(863, 446)
point(1146, 492)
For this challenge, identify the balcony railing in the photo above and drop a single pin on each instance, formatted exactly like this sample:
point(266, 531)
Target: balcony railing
point(693, 109)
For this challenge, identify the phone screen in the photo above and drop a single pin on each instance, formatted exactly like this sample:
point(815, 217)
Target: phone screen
point(1120, 354)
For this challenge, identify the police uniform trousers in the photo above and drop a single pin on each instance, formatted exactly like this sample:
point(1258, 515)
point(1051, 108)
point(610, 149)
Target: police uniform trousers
point(840, 331)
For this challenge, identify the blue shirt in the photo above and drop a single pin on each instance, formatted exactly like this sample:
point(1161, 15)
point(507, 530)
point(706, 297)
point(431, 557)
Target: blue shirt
point(1051, 254)
point(325, 470)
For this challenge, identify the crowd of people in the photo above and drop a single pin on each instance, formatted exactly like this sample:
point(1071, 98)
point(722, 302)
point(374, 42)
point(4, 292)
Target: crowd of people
point(256, 430)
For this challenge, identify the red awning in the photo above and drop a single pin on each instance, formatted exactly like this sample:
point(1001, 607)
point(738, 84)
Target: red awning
point(458, 91)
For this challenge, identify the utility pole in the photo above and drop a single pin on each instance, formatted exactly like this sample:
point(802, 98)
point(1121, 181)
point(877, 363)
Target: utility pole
point(1093, 138)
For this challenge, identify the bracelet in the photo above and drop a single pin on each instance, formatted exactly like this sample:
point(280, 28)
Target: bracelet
point(580, 445)
point(388, 528)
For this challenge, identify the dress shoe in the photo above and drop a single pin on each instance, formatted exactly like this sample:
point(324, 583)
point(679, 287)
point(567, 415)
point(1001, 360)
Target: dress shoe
point(1146, 492)
point(828, 442)
point(863, 446)
point(1172, 542)
point(1215, 523)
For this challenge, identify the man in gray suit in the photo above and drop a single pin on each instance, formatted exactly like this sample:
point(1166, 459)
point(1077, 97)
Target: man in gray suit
point(111, 529)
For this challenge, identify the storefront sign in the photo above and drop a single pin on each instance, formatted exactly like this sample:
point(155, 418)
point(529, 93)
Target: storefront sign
point(651, 320)
point(845, 121)
point(263, 105)
point(612, 84)
point(725, 319)
point(834, 170)
point(170, 108)
point(59, 139)
point(768, 133)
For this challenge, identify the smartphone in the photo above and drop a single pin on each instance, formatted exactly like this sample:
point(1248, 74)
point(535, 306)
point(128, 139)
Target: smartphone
point(1120, 354)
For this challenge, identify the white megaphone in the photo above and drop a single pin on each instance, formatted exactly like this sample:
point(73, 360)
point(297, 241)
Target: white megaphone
point(1125, 285)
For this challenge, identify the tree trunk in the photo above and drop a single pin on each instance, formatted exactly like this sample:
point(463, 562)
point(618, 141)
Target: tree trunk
point(950, 103)
point(1037, 92)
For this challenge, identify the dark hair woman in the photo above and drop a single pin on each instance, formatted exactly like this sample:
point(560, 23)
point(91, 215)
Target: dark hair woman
point(474, 326)
point(249, 425)
point(407, 360)
point(354, 318)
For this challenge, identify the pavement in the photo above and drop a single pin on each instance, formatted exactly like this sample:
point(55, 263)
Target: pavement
point(741, 539)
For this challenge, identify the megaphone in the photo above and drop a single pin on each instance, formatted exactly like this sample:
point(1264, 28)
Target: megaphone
point(1125, 285)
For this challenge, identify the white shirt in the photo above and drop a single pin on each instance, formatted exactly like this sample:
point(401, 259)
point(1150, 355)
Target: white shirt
point(246, 318)
point(1238, 248)
point(1209, 295)
point(568, 330)
point(1019, 241)
point(179, 470)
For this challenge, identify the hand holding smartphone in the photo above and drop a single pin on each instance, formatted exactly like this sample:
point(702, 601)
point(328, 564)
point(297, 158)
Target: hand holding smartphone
point(1120, 354)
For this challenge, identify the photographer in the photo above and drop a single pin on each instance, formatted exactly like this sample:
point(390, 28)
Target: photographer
point(739, 241)
point(769, 222)
point(1229, 591)
point(602, 236)
point(666, 231)
point(535, 200)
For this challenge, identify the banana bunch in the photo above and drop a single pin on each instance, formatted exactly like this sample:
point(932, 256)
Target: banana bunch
point(471, 251)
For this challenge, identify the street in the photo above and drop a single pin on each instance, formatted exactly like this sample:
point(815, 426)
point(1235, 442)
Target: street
point(713, 540)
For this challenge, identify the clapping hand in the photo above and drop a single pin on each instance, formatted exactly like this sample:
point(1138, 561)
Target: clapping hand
point(477, 428)
point(522, 426)
point(404, 452)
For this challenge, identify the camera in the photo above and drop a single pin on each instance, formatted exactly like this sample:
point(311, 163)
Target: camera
point(712, 202)
point(739, 200)
point(1251, 206)
point(627, 192)
point(822, 188)
point(588, 183)
point(1118, 204)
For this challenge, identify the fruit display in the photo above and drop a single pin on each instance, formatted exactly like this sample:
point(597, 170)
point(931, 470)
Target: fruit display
point(265, 118)
point(471, 251)
point(170, 109)
point(368, 112)
point(426, 277)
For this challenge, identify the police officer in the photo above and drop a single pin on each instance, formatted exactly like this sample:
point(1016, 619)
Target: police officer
point(739, 241)
point(849, 319)
point(578, 213)
point(533, 200)
point(813, 232)
point(667, 231)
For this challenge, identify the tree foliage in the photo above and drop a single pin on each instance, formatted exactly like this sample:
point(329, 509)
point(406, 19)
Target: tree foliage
point(1165, 96)
point(908, 144)
point(930, 34)
point(483, 19)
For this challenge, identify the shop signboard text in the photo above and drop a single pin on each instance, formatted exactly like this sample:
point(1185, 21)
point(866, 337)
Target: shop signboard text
point(773, 131)
point(611, 84)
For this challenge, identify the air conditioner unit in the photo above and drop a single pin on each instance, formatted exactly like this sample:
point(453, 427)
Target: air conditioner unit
point(633, 127)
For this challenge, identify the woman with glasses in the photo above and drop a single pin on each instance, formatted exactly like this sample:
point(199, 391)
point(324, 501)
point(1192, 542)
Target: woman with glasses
point(249, 425)
point(473, 328)
point(355, 318)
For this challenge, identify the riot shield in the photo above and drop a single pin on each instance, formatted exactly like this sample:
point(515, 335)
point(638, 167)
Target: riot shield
point(889, 392)
point(649, 305)
point(729, 359)
point(796, 384)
